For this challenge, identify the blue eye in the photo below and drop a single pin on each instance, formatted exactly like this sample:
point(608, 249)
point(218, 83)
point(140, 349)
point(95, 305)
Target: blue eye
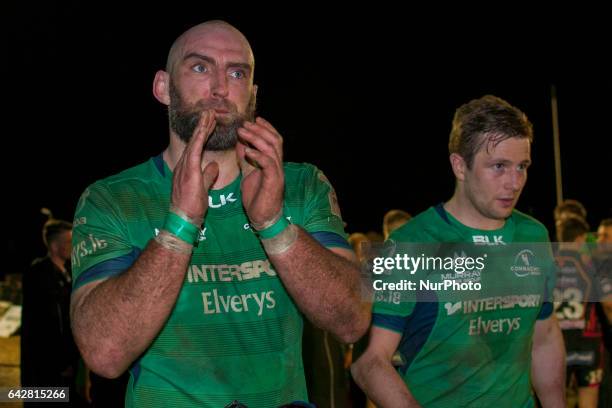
point(237, 74)
point(199, 68)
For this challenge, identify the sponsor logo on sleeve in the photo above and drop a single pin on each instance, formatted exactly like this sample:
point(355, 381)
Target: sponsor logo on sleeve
point(331, 196)
point(87, 247)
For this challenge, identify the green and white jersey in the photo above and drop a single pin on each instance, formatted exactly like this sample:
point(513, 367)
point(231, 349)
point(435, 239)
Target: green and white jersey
point(475, 350)
point(234, 333)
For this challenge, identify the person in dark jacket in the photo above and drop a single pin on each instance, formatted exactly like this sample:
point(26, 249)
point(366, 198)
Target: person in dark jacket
point(49, 356)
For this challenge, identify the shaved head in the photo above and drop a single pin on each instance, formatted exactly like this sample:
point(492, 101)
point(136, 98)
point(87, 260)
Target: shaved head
point(179, 48)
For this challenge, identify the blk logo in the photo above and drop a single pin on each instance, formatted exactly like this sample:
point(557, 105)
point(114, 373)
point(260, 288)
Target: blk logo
point(223, 199)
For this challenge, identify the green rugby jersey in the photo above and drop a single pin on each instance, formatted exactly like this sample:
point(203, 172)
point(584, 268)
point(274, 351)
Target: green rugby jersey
point(471, 350)
point(234, 333)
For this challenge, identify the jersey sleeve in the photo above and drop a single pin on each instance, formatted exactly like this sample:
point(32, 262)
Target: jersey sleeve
point(322, 217)
point(100, 242)
point(392, 304)
point(550, 272)
point(394, 307)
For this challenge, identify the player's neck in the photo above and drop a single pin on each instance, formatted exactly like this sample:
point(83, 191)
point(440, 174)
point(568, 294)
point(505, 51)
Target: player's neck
point(227, 161)
point(228, 166)
point(464, 211)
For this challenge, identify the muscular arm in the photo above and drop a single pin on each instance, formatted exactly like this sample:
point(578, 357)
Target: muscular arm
point(325, 284)
point(115, 320)
point(548, 363)
point(376, 375)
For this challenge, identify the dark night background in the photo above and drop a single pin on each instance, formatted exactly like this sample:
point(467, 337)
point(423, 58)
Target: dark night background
point(368, 96)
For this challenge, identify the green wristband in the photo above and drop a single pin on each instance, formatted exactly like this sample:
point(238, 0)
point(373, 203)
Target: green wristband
point(181, 228)
point(274, 229)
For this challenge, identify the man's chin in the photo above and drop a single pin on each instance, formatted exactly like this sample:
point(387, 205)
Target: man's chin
point(503, 213)
point(216, 145)
point(228, 119)
point(223, 120)
point(221, 149)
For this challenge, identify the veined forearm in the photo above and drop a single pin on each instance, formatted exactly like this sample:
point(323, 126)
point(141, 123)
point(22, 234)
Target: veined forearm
point(119, 318)
point(325, 286)
point(381, 383)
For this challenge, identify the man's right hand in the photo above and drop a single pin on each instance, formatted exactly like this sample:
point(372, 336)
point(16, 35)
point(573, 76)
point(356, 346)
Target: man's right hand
point(190, 184)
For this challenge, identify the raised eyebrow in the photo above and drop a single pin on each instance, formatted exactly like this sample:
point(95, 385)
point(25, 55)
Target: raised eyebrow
point(199, 56)
point(243, 65)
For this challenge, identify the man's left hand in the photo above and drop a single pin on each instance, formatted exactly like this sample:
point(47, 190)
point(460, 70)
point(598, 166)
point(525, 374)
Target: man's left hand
point(260, 154)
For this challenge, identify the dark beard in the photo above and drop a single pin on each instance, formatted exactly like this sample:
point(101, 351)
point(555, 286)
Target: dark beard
point(184, 120)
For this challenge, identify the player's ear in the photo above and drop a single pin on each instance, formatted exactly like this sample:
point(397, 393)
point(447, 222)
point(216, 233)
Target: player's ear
point(459, 166)
point(161, 87)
